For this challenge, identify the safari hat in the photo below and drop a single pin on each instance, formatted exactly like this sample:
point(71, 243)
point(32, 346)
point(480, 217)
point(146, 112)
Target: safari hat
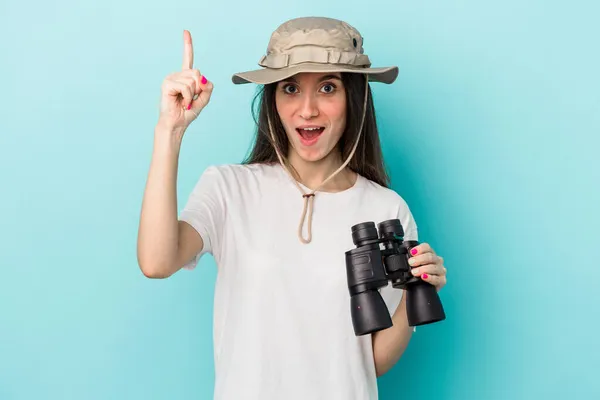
point(314, 44)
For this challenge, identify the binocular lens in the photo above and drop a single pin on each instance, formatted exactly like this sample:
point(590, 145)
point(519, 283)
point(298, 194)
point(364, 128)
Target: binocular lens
point(364, 232)
point(390, 228)
point(369, 313)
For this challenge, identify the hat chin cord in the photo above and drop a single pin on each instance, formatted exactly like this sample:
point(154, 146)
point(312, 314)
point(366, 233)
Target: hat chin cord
point(309, 197)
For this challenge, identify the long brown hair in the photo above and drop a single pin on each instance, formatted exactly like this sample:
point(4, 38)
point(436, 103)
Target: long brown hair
point(368, 158)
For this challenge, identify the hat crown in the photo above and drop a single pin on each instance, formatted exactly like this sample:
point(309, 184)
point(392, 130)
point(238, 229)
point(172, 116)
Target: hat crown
point(314, 45)
point(321, 32)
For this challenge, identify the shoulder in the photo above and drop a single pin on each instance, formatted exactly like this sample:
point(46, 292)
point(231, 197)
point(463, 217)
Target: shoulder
point(382, 195)
point(241, 172)
point(236, 179)
point(390, 199)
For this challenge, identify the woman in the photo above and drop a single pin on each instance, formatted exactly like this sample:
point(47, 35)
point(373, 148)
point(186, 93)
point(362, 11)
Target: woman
point(282, 325)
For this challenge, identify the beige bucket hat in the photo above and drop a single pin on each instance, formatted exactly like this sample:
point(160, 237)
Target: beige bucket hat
point(314, 44)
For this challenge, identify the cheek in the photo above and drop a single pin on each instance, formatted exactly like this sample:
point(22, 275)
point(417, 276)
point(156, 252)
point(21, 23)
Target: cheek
point(284, 111)
point(337, 115)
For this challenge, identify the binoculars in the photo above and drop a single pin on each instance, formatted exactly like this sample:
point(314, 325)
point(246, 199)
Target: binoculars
point(381, 255)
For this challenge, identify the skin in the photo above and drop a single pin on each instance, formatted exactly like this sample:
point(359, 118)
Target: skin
point(165, 244)
point(315, 99)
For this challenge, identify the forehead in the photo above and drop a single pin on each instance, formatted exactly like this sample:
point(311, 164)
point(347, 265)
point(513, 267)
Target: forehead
point(309, 77)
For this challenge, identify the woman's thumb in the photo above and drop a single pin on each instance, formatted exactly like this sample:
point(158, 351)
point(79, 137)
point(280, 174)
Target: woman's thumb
point(203, 98)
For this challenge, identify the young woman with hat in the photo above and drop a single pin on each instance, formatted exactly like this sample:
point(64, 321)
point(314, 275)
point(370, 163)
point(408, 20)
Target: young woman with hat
point(278, 224)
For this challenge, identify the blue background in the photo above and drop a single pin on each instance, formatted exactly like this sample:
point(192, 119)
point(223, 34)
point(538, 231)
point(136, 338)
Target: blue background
point(491, 135)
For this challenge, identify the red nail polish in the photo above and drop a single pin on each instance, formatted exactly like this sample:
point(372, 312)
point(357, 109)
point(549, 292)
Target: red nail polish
point(190, 106)
point(413, 251)
point(425, 276)
point(204, 80)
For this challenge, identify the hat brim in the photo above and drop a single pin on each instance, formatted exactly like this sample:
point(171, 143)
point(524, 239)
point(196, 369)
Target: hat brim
point(265, 76)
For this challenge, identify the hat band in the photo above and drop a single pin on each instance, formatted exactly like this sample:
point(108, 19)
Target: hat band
point(315, 55)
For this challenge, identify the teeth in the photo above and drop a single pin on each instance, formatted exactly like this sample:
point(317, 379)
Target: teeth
point(310, 129)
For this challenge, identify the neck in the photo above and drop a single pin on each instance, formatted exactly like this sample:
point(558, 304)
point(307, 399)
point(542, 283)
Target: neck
point(312, 173)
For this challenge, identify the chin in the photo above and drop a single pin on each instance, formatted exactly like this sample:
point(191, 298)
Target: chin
point(311, 156)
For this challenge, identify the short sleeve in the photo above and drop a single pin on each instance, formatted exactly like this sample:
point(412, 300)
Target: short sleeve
point(391, 295)
point(408, 221)
point(204, 211)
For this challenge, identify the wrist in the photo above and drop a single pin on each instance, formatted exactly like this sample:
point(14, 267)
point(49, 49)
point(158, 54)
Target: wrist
point(168, 137)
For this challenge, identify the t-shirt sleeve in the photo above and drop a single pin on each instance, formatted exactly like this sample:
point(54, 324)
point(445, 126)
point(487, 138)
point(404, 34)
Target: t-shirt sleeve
point(391, 295)
point(205, 211)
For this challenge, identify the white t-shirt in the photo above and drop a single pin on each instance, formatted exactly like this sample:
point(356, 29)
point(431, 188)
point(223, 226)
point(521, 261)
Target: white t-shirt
point(282, 323)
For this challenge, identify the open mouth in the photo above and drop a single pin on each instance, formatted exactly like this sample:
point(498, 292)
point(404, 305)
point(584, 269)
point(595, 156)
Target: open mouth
point(310, 135)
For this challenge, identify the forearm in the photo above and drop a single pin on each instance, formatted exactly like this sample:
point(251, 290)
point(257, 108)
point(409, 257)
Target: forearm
point(158, 229)
point(389, 344)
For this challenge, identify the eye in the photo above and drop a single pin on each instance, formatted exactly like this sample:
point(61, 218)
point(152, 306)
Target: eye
point(289, 88)
point(329, 88)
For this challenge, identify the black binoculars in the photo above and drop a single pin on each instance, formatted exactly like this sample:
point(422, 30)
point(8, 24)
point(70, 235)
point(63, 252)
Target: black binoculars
point(369, 267)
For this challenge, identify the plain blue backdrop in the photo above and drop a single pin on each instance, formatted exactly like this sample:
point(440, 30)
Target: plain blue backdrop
point(491, 135)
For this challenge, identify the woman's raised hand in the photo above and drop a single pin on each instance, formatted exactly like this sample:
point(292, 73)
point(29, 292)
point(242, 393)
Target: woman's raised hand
point(185, 93)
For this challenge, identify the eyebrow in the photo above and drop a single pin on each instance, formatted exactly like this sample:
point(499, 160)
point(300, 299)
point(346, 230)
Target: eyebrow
point(328, 77)
point(324, 78)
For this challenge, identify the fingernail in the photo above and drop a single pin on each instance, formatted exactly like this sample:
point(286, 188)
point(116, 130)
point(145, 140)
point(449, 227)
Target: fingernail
point(203, 80)
point(411, 261)
point(415, 271)
point(190, 106)
point(413, 251)
point(425, 276)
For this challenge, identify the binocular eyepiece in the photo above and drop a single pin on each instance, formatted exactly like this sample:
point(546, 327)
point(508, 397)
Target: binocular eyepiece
point(369, 268)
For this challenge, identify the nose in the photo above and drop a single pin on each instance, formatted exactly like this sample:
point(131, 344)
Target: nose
point(309, 107)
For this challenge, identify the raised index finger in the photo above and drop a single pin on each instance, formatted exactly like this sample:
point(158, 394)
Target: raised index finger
point(188, 51)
